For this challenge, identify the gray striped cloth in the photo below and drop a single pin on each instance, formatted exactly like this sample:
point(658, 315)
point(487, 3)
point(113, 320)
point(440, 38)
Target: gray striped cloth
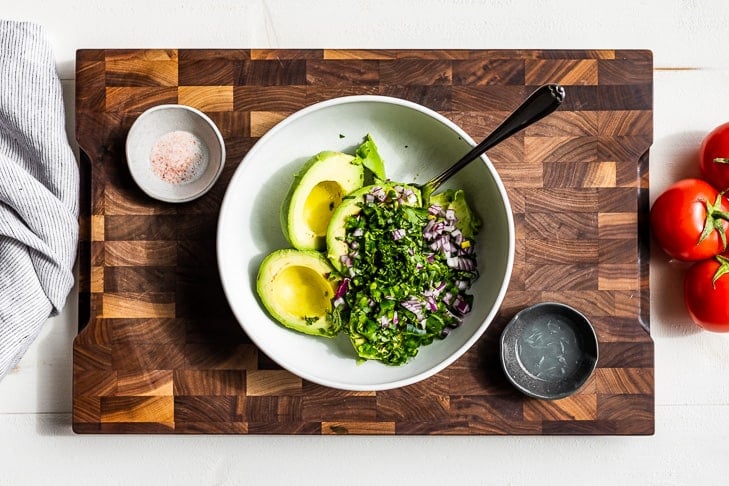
point(39, 189)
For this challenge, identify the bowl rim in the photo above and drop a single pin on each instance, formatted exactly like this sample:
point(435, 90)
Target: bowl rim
point(139, 180)
point(482, 326)
point(512, 367)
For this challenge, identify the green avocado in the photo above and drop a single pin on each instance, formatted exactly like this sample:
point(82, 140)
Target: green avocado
point(351, 205)
point(371, 160)
point(466, 219)
point(317, 189)
point(336, 231)
point(297, 287)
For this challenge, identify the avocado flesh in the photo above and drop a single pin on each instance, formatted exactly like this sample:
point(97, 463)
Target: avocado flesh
point(320, 204)
point(296, 287)
point(371, 160)
point(317, 189)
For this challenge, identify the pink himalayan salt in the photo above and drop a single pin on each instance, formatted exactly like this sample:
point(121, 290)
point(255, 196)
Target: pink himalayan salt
point(177, 157)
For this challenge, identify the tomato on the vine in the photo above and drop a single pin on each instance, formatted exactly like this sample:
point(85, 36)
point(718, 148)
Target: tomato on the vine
point(714, 157)
point(706, 293)
point(689, 220)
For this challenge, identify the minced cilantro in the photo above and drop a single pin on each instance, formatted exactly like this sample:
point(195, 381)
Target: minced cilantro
point(405, 276)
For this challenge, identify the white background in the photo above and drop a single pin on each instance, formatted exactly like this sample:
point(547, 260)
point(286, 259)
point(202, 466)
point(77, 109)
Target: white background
point(691, 444)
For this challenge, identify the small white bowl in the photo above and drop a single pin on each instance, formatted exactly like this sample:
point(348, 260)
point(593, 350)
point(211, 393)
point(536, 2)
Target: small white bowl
point(161, 121)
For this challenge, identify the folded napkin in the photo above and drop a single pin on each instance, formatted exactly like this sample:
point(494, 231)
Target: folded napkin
point(39, 188)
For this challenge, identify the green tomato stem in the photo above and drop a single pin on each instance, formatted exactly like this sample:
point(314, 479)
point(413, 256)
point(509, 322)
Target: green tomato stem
point(721, 160)
point(722, 270)
point(714, 221)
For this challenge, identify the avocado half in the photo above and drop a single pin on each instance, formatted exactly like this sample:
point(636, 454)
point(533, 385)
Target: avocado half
point(297, 287)
point(317, 189)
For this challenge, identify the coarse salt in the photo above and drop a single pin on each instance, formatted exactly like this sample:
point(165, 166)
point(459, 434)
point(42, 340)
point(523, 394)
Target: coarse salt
point(177, 157)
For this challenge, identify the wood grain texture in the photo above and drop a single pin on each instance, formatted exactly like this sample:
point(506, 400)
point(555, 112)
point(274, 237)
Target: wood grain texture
point(159, 350)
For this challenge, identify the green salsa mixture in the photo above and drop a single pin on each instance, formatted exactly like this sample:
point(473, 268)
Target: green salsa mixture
point(370, 258)
point(405, 275)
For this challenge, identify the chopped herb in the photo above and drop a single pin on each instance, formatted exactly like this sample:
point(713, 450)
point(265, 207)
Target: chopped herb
point(408, 271)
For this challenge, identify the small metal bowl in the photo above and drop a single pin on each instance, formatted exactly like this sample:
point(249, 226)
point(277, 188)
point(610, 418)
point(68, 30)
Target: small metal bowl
point(549, 350)
point(195, 131)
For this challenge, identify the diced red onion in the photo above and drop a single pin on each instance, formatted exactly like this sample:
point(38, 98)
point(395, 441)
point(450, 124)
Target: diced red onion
point(460, 263)
point(405, 195)
point(410, 196)
point(432, 305)
point(461, 306)
point(428, 231)
point(442, 243)
point(378, 193)
point(342, 289)
point(434, 209)
point(457, 236)
point(413, 305)
point(447, 248)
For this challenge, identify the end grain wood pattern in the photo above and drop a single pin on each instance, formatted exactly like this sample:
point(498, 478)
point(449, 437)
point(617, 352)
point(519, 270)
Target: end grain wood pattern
point(159, 350)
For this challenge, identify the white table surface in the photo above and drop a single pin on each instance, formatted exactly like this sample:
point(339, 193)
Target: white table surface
point(691, 96)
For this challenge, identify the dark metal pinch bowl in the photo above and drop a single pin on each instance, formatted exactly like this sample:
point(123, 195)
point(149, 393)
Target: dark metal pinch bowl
point(549, 350)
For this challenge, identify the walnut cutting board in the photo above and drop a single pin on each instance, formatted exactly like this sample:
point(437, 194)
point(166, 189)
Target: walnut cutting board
point(159, 350)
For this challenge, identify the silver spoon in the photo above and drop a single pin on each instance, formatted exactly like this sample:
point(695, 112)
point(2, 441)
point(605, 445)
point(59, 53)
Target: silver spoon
point(539, 104)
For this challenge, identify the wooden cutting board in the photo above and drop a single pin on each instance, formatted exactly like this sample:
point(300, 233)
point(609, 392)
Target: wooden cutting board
point(159, 350)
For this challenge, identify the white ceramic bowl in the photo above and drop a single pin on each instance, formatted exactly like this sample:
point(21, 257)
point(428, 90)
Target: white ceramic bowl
point(160, 121)
point(416, 143)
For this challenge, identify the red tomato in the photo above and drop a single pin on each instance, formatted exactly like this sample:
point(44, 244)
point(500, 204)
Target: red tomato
point(714, 157)
point(706, 293)
point(689, 220)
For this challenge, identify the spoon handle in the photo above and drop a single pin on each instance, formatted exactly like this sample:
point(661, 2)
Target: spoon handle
point(539, 104)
